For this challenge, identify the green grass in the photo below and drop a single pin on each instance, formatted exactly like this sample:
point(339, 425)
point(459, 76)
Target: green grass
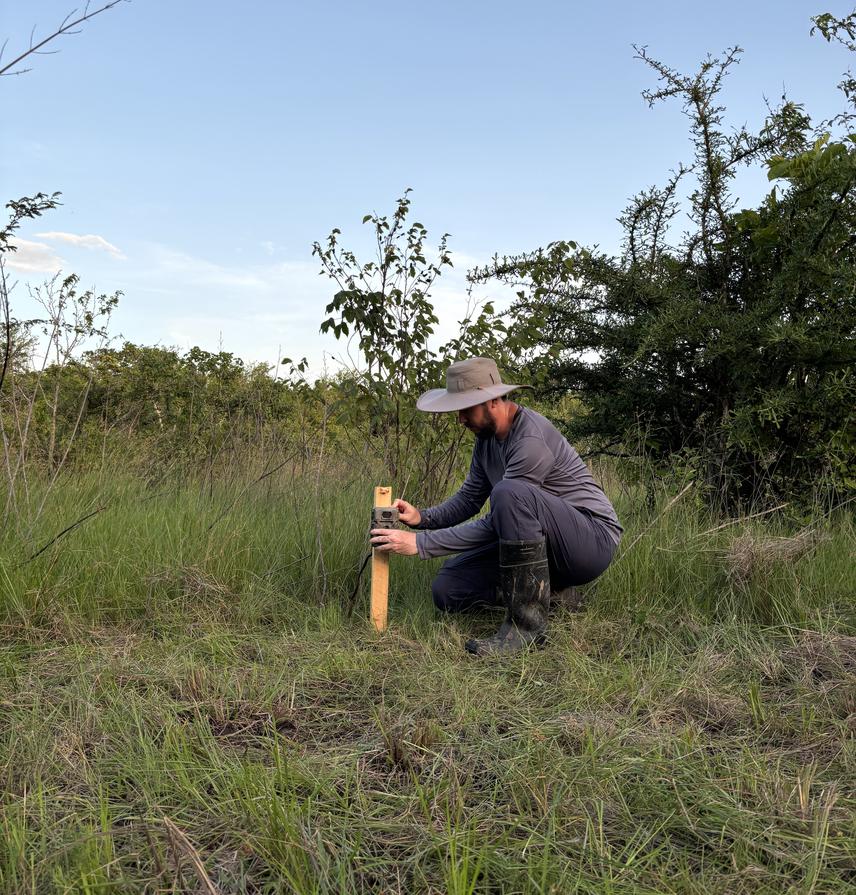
point(184, 703)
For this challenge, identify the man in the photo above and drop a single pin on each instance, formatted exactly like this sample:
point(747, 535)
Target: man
point(550, 525)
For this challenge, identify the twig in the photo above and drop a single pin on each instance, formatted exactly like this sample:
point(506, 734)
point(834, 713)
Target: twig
point(4, 296)
point(161, 870)
point(352, 601)
point(65, 531)
point(7, 460)
point(318, 539)
point(65, 28)
point(83, 403)
point(781, 506)
point(181, 842)
point(246, 488)
point(645, 530)
point(80, 521)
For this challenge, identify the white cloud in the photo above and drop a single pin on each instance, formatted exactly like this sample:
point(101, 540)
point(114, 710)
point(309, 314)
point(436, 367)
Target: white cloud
point(33, 257)
point(86, 241)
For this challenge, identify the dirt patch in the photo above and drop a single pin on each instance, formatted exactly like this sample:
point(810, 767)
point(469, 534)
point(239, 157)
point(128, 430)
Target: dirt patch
point(578, 729)
point(826, 663)
point(823, 748)
point(570, 599)
point(249, 725)
point(402, 748)
point(242, 724)
point(246, 724)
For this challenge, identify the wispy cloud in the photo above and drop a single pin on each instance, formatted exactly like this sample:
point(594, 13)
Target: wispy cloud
point(192, 270)
point(33, 257)
point(259, 311)
point(84, 240)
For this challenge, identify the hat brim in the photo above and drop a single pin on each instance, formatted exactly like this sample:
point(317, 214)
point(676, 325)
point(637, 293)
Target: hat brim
point(439, 400)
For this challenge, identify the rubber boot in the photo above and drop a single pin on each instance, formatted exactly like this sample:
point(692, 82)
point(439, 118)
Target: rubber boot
point(524, 581)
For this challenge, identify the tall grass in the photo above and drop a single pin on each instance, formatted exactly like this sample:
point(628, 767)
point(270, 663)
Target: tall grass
point(185, 705)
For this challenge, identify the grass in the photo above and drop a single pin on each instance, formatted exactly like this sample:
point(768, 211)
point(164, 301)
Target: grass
point(185, 706)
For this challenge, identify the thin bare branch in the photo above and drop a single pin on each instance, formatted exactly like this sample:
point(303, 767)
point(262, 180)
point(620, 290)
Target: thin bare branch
point(7, 322)
point(182, 844)
point(65, 531)
point(66, 27)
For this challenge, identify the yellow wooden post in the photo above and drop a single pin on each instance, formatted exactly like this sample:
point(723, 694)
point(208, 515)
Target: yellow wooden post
point(380, 569)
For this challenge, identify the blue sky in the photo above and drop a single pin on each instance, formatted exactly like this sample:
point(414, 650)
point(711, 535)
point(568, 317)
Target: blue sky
point(201, 147)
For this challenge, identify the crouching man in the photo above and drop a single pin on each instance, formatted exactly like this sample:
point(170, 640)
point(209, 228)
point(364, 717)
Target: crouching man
point(550, 524)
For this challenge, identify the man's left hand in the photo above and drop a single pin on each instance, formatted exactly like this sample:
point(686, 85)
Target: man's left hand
point(393, 540)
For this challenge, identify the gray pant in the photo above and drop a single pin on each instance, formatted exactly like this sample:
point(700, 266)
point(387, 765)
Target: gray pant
point(579, 547)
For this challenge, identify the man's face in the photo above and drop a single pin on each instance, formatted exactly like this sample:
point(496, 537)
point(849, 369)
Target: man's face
point(479, 420)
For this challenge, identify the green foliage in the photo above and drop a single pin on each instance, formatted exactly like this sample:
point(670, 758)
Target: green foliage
point(25, 208)
point(842, 31)
point(735, 348)
point(195, 405)
point(14, 339)
point(385, 306)
point(386, 300)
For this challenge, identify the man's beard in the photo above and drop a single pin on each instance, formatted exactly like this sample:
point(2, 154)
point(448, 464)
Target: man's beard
point(488, 430)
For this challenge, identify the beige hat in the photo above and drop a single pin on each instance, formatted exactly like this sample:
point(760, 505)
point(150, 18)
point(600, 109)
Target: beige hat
point(468, 382)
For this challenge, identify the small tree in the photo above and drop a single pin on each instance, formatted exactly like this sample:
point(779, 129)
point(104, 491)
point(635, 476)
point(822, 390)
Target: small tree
point(734, 347)
point(384, 306)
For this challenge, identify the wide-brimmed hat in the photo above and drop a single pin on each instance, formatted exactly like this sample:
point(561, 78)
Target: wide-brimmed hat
point(468, 382)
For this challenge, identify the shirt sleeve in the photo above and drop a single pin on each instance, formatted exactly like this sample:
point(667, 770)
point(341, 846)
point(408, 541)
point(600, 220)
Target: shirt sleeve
point(529, 459)
point(430, 544)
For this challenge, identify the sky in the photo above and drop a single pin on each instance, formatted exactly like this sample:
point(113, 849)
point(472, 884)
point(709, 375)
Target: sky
point(202, 146)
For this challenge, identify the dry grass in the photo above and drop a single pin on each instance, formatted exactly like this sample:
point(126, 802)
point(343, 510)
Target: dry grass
point(752, 554)
point(822, 658)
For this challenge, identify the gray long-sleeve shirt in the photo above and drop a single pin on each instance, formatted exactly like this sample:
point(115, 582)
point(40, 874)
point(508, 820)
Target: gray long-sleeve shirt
point(534, 451)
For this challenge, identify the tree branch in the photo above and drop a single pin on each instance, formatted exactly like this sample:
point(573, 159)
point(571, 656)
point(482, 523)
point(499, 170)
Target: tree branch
point(66, 27)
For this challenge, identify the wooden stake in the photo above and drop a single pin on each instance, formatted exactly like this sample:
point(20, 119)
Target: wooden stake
point(380, 569)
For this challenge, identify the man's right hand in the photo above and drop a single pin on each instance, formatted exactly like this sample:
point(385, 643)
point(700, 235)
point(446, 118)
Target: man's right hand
point(407, 513)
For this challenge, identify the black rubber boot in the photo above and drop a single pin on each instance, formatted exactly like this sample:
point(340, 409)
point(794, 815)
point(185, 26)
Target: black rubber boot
point(524, 581)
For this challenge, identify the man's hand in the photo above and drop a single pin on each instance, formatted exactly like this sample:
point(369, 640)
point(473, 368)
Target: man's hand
point(408, 513)
point(393, 540)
